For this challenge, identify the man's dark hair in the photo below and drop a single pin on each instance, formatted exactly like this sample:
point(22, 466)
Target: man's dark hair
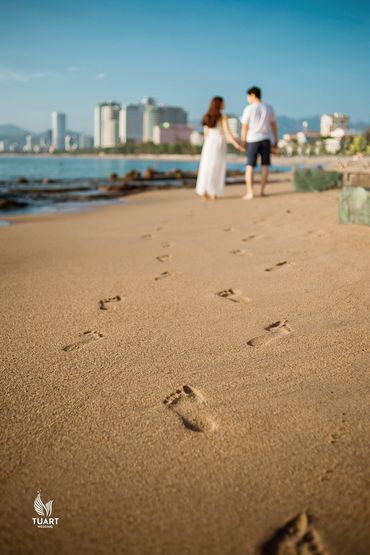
point(256, 91)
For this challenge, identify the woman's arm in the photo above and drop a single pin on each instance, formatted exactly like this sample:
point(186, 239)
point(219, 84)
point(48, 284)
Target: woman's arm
point(205, 131)
point(229, 135)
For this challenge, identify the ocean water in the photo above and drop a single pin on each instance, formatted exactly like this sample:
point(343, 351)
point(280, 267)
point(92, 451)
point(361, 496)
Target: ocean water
point(84, 172)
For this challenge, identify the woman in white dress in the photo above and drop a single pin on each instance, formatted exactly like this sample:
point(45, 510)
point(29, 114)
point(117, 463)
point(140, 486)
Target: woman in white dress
point(212, 167)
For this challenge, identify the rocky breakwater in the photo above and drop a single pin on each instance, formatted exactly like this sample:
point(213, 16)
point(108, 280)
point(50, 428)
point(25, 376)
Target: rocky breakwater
point(25, 194)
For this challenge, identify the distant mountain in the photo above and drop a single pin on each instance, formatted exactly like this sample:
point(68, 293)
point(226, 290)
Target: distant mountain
point(290, 125)
point(10, 132)
point(360, 125)
point(293, 125)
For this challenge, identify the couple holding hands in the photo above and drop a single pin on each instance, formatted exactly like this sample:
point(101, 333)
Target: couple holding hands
point(259, 133)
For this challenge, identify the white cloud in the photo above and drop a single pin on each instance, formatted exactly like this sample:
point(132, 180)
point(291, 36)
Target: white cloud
point(21, 76)
point(75, 69)
point(100, 76)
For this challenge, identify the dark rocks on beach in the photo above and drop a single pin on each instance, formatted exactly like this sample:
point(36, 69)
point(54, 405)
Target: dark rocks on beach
point(11, 204)
point(132, 174)
point(21, 180)
point(47, 181)
point(149, 173)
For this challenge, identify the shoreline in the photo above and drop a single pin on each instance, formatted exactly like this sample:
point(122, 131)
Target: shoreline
point(231, 158)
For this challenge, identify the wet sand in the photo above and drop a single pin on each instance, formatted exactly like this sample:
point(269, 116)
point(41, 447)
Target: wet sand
point(187, 377)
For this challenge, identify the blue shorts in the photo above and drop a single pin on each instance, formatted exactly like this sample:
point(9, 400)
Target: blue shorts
point(260, 147)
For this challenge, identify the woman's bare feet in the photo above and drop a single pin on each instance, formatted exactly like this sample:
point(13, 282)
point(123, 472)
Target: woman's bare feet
point(248, 196)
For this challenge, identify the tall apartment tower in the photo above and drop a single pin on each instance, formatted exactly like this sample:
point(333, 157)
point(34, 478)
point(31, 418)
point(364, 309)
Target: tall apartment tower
point(158, 115)
point(131, 123)
point(58, 130)
point(106, 124)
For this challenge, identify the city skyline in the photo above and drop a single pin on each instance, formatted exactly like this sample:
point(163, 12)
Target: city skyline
point(308, 58)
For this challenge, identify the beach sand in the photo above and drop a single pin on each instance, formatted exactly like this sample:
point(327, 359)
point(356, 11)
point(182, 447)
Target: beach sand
point(184, 377)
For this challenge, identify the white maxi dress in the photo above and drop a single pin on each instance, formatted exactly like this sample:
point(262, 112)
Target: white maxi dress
point(212, 167)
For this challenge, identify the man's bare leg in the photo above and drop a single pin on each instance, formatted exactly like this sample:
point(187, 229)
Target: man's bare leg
point(249, 174)
point(264, 179)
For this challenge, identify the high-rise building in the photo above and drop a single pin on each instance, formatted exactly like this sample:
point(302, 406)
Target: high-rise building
point(45, 140)
point(28, 146)
point(158, 115)
point(150, 120)
point(70, 142)
point(171, 134)
point(58, 130)
point(172, 115)
point(85, 141)
point(131, 123)
point(106, 124)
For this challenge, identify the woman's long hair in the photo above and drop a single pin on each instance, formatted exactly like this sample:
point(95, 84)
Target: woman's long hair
point(213, 115)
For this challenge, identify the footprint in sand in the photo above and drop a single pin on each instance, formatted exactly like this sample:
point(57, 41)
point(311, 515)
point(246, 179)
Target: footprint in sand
point(336, 437)
point(106, 304)
point(227, 229)
point(164, 275)
point(233, 295)
point(297, 537)
point(163, 257)
point(237, 252)
point(191, 407)
point(277, 266)
point(275, 331)
point(146, 236)
point(326, 476)
point(86, 337)
point(249, 238)
point(167, 244)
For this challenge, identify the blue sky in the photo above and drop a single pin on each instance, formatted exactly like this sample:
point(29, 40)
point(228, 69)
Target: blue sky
point(309, 57)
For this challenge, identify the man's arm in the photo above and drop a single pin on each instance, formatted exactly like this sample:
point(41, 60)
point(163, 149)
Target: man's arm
point(275, 132)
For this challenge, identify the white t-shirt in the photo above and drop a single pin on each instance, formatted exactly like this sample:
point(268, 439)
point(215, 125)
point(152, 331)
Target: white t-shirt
point(258, 116)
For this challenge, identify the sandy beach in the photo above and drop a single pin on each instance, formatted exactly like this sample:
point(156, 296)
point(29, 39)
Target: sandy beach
point(184, 377)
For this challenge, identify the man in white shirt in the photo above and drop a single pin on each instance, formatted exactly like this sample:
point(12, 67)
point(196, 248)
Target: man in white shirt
point(258, 128)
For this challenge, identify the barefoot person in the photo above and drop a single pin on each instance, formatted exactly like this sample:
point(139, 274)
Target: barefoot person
point(258, 127)
point(212, 167)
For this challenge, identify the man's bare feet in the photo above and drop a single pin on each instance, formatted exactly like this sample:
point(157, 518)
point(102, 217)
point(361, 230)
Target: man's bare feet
point(248, 196)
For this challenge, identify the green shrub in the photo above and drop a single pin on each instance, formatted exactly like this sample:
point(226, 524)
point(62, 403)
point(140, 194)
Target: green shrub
point(305, 180)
